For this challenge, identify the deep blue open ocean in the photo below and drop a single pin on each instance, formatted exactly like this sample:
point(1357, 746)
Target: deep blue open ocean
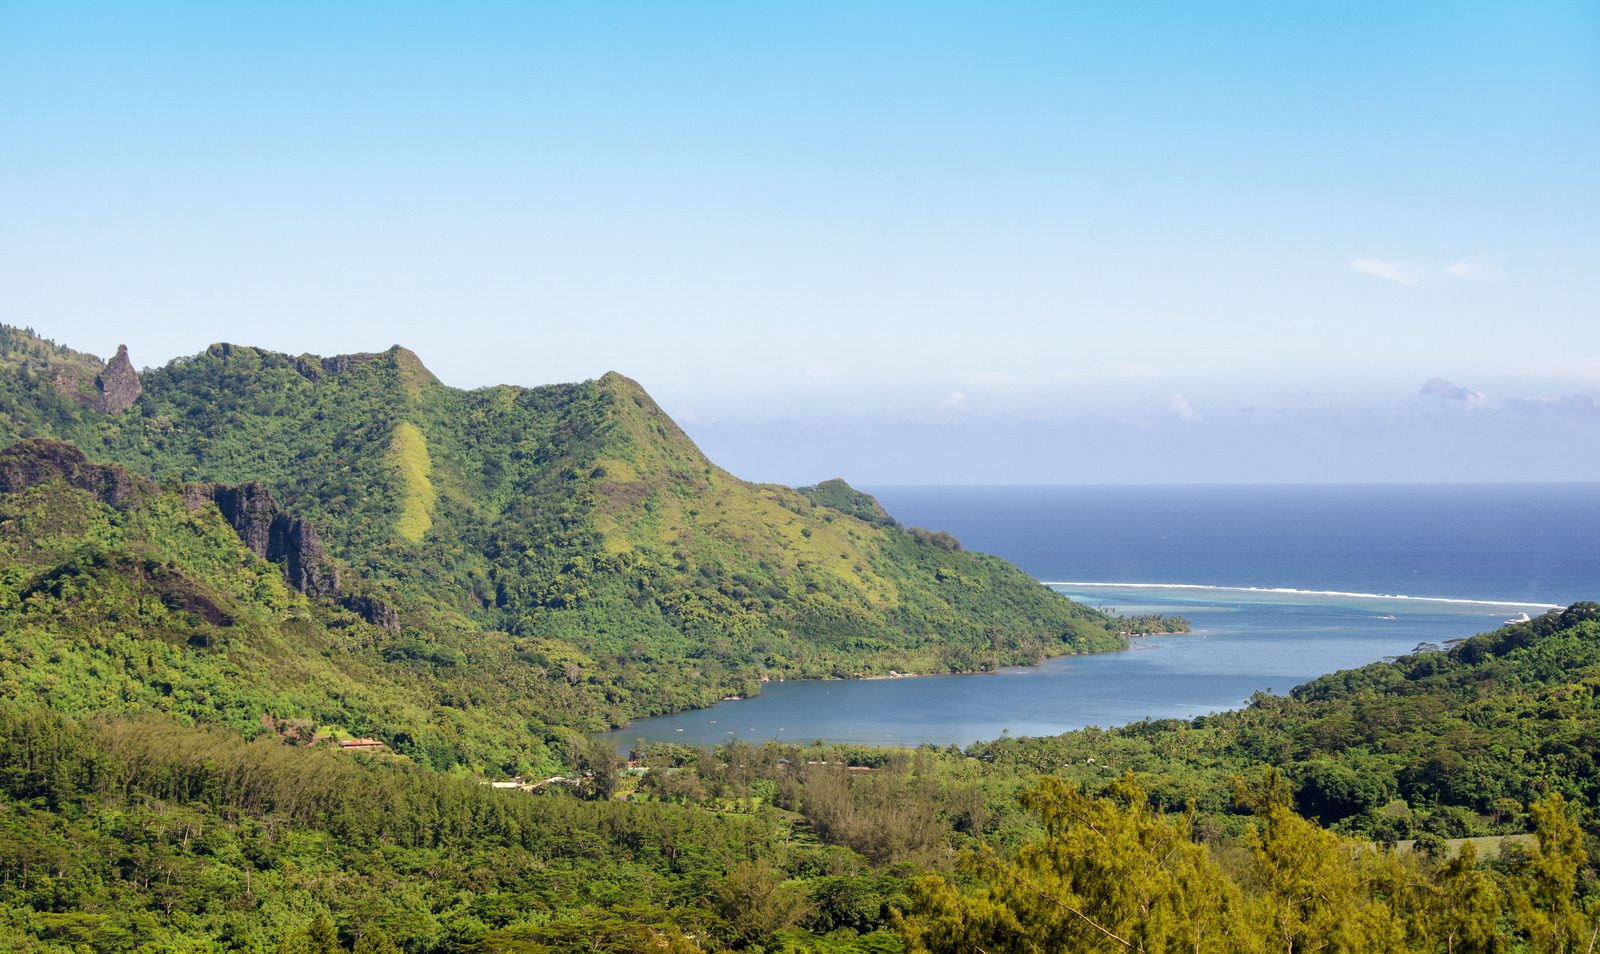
point(1282, 584)
point(1537, 542)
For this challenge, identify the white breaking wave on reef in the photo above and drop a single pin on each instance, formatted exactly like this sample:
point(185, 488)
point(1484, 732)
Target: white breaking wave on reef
point(1290, 591)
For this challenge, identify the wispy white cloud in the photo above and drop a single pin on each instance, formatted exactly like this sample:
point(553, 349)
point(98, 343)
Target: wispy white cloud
point(1415, 273)
point(953, 403)
point(1443, 390)
point(1181, 407)
point(1587, 404)
point(1473, 270)
point(1405, 273)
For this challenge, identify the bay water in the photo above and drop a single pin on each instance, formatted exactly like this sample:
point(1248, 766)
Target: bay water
point(1281, 584)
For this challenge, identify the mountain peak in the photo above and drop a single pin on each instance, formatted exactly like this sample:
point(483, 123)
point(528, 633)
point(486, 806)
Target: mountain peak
point(840, 496)
point(118, 384)
point(658, 441)
point(620, 383)
point(414, 375)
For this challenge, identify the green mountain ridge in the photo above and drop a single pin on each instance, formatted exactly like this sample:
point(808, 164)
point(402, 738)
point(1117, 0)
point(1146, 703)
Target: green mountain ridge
point(557, 556)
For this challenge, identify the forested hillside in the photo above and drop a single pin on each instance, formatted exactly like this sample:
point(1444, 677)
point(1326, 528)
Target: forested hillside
point(551, 556)
point(117, 596)
point(138, 833)
point(1434, 745)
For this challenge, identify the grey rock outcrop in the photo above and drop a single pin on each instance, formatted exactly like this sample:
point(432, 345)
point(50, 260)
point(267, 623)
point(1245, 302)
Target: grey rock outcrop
point(249, 508)
point(290, 542)
point(118, 384)
point(273, 535)
point(373, 610)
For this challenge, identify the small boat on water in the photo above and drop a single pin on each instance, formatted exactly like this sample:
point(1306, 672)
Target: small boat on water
point(1519, 618)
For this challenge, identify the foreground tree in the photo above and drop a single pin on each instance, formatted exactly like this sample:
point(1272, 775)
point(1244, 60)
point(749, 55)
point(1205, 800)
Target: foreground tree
point(1113, 875)
point(1110, 875)
point(1543, 895)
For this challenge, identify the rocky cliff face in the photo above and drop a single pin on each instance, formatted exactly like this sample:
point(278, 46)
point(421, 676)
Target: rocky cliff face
point(29, 463)
point(269, 532)
point(373, 610)
point(118, 384)
point(291, 543)
point(273, 535)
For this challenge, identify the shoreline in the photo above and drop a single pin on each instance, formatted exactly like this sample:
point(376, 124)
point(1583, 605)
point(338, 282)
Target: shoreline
point(882, 677)
point(891, 676)
point(625, 735)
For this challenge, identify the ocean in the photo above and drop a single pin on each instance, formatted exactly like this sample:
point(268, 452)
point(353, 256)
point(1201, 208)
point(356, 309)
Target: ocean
point(1281, 583)
point(1516, 542)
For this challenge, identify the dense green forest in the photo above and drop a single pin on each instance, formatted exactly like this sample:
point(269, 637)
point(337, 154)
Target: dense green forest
point(140, 833)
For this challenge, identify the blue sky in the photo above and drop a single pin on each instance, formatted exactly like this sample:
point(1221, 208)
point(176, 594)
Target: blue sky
point(1043, 243)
